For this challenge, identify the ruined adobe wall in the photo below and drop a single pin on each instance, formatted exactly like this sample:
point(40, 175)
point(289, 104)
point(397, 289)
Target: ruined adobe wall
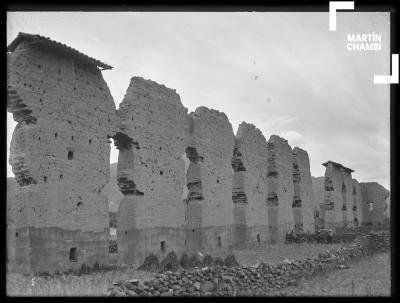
point(280, 188)
point(357, 204)
point(338, 197)
point(332, 208)
point(377, 194)
point(318, 187)
point(348, 216)
point(387, 212)
point(250, 164)
point(301, 164)
point(209, 179)
point(60, 157)
point(151, 139)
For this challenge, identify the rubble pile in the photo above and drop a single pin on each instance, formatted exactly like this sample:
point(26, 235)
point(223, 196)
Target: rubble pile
point(341, 235)
point(254, 280)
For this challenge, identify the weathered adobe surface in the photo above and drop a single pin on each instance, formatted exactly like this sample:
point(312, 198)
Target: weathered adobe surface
point(60, 157)
point(338, 197)
point(377, 194)
point(357, 204)
point(303, 190)
point(209, 179)
point(151, 139)
point(280, 188)
point(318, 187)
point(249, 163)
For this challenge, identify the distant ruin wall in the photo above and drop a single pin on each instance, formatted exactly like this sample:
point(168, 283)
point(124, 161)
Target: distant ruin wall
point(188, 183)
point(318, 186)
point(250, 164)
point(60, 157)
point(211, 142)
point(356, 206)
point(303, 192)
point(338, 197)
point(151, 138)
point(280, 188)
point(374, 203)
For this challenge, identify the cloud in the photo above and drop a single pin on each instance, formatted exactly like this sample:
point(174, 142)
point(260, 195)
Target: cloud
point(294, 138)
point(322, 97)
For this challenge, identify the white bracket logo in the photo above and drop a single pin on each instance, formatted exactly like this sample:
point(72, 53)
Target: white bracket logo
point(394, 77)
point(333, 7)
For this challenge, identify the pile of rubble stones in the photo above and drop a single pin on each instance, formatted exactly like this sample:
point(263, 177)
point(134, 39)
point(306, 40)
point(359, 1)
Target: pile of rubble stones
point(341, 235)
point(322, 237)
point(254, 280)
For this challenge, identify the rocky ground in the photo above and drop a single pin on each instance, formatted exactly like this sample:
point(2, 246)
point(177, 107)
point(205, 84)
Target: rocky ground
point(368, 277)
point(329, 269)
point(274, 254)
point(252, 280)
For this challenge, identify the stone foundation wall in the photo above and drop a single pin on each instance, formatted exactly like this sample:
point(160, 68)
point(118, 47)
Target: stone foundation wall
point(52, 249)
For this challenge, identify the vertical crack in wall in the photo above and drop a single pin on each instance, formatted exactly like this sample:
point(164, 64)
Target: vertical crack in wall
point(239, 199)
point(238, 192)
point(297, 203)
point(193, 177)
point(272, 176)
point(126, 163)
point(297, 186)
point(194, 201)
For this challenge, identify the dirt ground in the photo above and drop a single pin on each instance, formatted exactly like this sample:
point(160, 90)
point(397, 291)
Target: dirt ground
point(94, 284)
point(278, 253)
point(367, 277)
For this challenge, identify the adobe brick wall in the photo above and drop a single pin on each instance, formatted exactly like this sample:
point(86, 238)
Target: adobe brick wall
point(318, 187)
point(280, 188)
point(357, 204)
point(377, 194)
point(60, 157)
point(151, 138)
point(338, 192)
point(250, 164)
point(209, 179)
point(305, 192)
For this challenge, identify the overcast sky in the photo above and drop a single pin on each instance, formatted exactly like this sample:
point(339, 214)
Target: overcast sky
point(286, 73)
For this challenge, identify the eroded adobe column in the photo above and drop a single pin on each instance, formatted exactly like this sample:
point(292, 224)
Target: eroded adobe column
point(194, 200)
point(60, 156)
point(210, 179)
point(280, 188)
point(249, 163)
point(356, 205)
point(338, 195)
point(151, 139)
point(318, 187)
point(303, 201)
